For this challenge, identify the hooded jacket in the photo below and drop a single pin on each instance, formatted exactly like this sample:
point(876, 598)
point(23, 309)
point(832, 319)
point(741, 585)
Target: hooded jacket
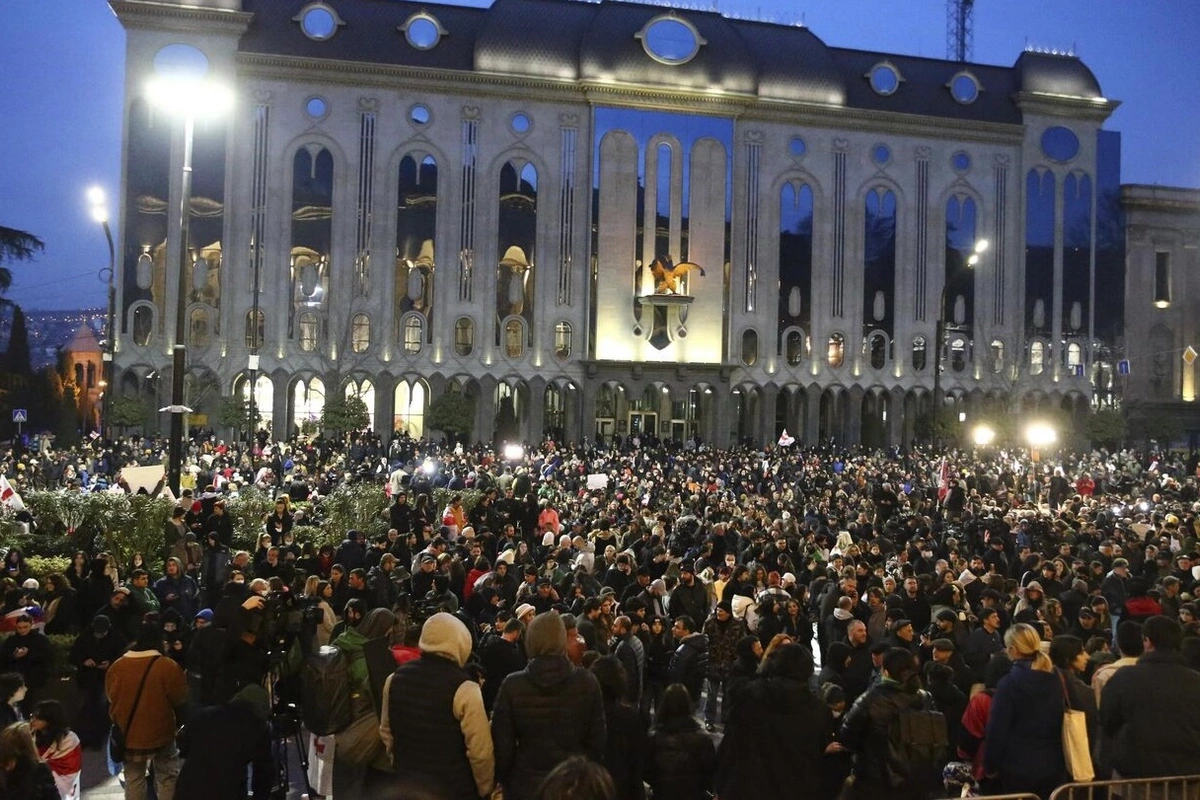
point(546, 713)
point(432, 722)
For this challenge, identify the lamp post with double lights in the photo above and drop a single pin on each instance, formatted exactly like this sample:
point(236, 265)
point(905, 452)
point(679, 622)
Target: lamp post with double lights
point(184, 96)
point(939, 337)
point(99, 209)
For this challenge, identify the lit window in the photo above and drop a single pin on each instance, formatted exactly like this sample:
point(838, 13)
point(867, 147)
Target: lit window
point(360, 333)
point(1037, 358)
point(878, 348)
point(918, 353)
point(414, 330)
point(255, 333)
point(308, 332)
point(514, 345)
point(794, 347)
point(464, 337)
point(1162, 280)
point(562, 340)
point(958, 354)
point(750, 348)
point(836, 355)
point(997, 356)
point(1074, 354)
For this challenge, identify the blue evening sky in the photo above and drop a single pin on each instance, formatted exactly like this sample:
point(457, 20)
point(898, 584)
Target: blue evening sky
point(61, 83)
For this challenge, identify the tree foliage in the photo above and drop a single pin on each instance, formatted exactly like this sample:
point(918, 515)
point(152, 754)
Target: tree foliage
point(452, 413)
point(1106, 428)
point(16, 245)
point(16, 358)
point(344, 414)
point(127, 411)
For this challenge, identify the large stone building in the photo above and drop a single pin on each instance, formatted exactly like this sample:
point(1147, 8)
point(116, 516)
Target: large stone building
point(607, 218)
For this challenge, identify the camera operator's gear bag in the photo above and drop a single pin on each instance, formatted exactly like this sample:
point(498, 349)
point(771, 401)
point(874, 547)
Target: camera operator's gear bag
point(327, 703)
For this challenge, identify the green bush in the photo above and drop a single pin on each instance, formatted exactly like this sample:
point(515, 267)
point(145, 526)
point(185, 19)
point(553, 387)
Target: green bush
point(138, 528)
point(249, 510)
point(41, 567)
point(317, 535)
point(361, 507)
point(441, 499)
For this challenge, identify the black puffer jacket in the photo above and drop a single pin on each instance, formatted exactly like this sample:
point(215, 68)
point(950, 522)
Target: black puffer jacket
point(544, 714)
point(689, 664)
point(681, 761)
point(865, 732)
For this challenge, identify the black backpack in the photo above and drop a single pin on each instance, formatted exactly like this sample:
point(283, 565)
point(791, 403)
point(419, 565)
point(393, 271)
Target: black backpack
point(327, 704)
point(917, 744)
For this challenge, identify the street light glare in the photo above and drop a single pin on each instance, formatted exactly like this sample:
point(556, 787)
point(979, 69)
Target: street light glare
point(981, 245)
point(973, 260)
point(95, 195)
point(1040, 434)
point(183, 96)
point(983, 435)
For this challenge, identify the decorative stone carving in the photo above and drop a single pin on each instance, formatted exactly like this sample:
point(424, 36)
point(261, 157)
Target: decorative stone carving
point(262, 96)
point(923, 151)
point(368, 105)
point(755, 137)
point(568, 120)
point(841, 145)
point(470, 112)
point(1001, 160)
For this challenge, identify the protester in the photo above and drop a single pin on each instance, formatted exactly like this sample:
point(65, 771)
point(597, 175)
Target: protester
point(22, 774)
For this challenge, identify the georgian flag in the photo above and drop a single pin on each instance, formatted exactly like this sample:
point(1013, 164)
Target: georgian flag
point(785, 440)
point(9, 496)
point(943, 481)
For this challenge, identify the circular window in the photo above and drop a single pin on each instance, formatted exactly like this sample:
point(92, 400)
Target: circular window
point(316, 107)
point(964, 88)
point(520, 123)
point(319, 22)
point(180, 61)
point(1060, 144)
point(419, 114)
point(670, 40)
point(881, 154)
point(960, 161)
point(422, 31)
point(885, 79)
point(797, 147)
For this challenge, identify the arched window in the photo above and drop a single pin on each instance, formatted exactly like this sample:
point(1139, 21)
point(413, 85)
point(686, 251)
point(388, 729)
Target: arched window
point(308, 402)
point(918, 354)
point(79, 376)
point(464, 336)
point(958, 354)
point(1074, 354)
point(308, 332)
point(749, 348)
point(91, 374)
point(997, 356)
point(410, 408)
point(794, 347)
point(364, 390)
point(414, 330)
point(143, 325)
point(514, 339)
point(562, 340)
point(254, 333)
point(877, 347)
point(360, 333)
point(836, 355)
point(1037, 358)
point(198, 328)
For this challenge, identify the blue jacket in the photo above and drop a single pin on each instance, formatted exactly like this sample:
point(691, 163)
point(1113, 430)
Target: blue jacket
point(1024, 731)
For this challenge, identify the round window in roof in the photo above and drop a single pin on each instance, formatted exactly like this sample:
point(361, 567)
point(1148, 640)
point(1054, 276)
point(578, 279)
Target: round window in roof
point(881, 154)
point(1060, 144)
point(316, 107)
point(960, 161)
point(964, 88)
point(885, 78)
point(423, 31)
point(419, 114)
point(670, 40)
point(520, 123)
point(318, 21)
point(180, 61)
point(797, 147)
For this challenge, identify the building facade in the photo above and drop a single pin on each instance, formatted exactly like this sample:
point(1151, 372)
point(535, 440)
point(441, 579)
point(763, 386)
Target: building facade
point(611, 218)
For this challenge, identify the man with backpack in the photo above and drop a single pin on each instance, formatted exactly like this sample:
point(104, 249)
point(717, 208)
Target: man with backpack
point(898, 740)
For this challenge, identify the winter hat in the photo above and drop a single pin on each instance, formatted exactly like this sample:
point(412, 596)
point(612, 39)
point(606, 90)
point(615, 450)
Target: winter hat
point(205, 614)
point(546, 636)
point(726, 606)
point(444, 635)
point(522, 610)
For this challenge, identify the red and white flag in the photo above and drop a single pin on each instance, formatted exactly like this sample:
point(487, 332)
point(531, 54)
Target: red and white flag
point(9, 496)
point(943, 480)
point(785, 440)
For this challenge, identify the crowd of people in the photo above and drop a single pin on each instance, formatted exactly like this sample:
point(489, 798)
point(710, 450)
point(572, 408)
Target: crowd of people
point(620, 619)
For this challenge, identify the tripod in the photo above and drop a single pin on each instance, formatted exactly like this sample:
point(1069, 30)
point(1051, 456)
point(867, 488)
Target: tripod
point(285, 731)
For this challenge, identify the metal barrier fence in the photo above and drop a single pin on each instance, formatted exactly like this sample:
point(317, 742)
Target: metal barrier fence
point(1185, 787)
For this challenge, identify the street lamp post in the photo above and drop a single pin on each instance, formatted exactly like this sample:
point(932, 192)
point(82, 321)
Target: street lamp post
point(939, 337)
point(100, 214)
point(185, 96)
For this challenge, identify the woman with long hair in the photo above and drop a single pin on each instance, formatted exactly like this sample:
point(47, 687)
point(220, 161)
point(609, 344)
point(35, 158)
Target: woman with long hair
point(681, 757)
point(318, 593)
point(78, 571)
point(58, 747)
point(22, 774)
point(624, 734)
point(1023, 743)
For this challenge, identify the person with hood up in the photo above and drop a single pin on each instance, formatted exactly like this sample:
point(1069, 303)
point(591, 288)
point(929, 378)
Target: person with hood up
point(433, 724)
point(723, 633)
point(546, 713)
point(754, 760)
point(360, 747)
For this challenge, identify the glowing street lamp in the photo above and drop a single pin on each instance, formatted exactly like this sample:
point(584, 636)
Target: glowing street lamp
point(983, 435)
point(98, 206)
point(1040, 434)
point(185, 95)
